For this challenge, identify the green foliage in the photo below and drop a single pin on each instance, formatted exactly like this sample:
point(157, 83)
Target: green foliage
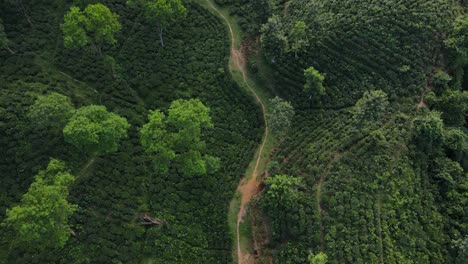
point(462, 246)
point(320, 258)
point(161, 12)
point(74, 34)
point(298, 37)
point(177, 138)
point(101, 23)
point(441, 81)
point(51, 110)
point(251, 14)
point(96, 23)
point(454, 107)
point(115, 189)
point(429, 130)
point(458, 39)
point(314, 82)
point(95, 130)
point(281, 116)
point(281, 203)
point(358, 55)
point(273, 38)
point(371, 107)
point(164, 12)
point(41, 219)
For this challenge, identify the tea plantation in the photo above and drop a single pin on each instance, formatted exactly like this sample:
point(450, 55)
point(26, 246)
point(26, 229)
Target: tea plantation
point(127, 126)
point(372, 192)
point(112, 192)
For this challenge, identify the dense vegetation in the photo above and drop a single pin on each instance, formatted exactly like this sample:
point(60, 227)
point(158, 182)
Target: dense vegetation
point(129, 76)
point(377, 90)
point(124, 135)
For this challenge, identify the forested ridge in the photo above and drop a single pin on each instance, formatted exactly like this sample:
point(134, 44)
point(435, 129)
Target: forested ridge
point(125, 127)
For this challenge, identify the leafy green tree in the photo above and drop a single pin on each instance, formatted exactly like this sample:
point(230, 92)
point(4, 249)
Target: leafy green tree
point(52, 110)
point(161, 12)
point(454, 107)
point(96, 25)
point(273, 38)
point(441, 81)
point(314, 82)
point(281, 203)
point(95, 130)
point(462, 246)
point(370, 107)
point(458, 39)
point(101, 23)
point(320, 258)
point(429, 130)
point(73, 28)
point(4, 41)
point(41, 219)
point(281, 116)
point(456, 141)
point(176, 138)
point(298, 37)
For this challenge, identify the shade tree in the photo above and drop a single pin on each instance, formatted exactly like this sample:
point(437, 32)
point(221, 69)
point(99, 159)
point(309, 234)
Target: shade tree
point(40, 220)
point(163, 13)
point(314, 83)
point(297, 39)
point(370, 108)
point(51, 111)
point(281, 115)
point(175, 140)
point(95, 130)
point(96, 24)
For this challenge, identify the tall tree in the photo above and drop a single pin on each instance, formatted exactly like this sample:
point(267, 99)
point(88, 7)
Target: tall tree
point(96, 25)
point(281, 116)
point(429, 131)
point(51, 111)
point(281, 202)
point(95, 130)
point(314, 82)
point(298, 37)
point(458, 38)
point(41, 219)
point(370, 107)
point(320, 258)
point(161, 12)
point(273, 38)
point(176, 138)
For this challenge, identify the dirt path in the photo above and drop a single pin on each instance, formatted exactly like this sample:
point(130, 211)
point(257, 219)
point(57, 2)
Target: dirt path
point(248, 186)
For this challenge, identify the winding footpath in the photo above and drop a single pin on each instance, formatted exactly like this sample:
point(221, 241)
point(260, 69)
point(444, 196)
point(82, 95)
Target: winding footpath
point(248, 186)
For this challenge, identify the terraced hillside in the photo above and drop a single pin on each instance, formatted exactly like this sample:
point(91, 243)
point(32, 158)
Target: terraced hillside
point(113, 192)
point(370, 193)
point(364, 45)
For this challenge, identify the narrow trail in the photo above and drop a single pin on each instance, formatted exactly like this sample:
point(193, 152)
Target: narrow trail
point(248, 186)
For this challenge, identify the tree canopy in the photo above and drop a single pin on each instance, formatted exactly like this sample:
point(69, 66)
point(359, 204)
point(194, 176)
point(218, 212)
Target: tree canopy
point(314, 82)
point(41, 218)
point(95, 130)
point(320, 258)
point(370, 107)
point(176, 137)
point(161, 12)
point(51, 110)
point(95, 24)
point(458, 39)
point(298, 37)
point(281, 115)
